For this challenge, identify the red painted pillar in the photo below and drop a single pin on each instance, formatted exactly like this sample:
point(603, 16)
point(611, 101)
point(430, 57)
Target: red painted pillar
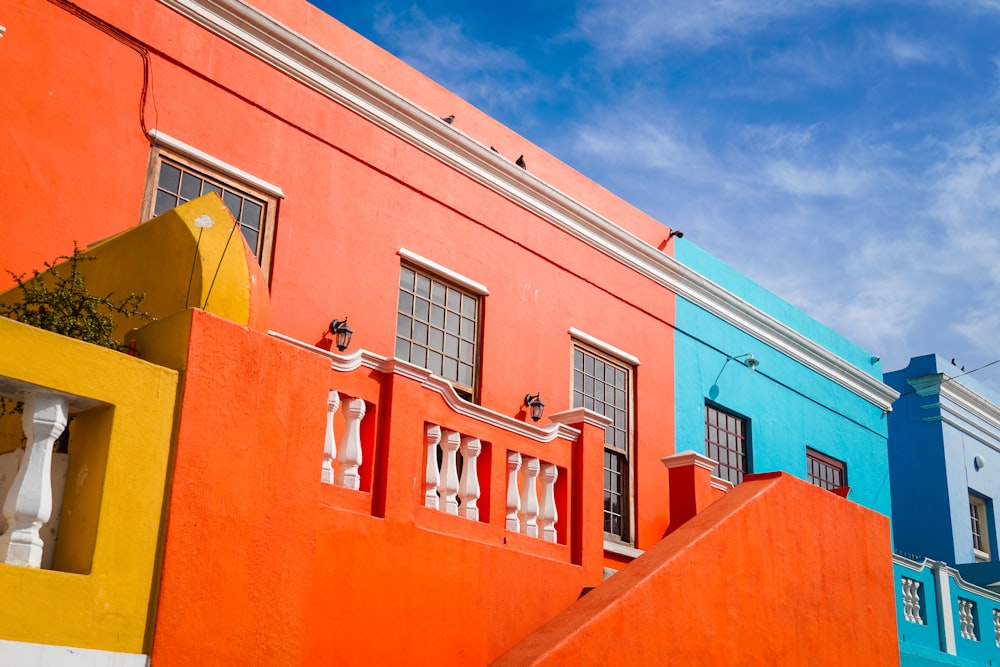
point(690, 479)
point(587, 492)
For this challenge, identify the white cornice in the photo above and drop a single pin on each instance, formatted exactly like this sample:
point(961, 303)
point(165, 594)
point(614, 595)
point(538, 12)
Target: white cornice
point(959, 395)
point(346, 363)
point(302, 60)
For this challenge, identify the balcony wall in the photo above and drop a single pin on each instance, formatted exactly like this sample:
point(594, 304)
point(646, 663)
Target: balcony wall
point(266, 563)
point(943, 619)
point(98, 593)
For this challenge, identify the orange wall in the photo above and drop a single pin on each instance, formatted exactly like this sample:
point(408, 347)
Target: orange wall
point(264, 565)
point(354, 195)
point(778, 572)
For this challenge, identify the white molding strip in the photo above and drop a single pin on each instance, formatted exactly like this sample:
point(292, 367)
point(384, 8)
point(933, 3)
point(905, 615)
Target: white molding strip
point(348, 362)
point(958, 394)
point(606, 348)
point(434, 267)
point(304, 61)
point(622, 549)
point(224, 168)
point(25, 653)
point(689, 457)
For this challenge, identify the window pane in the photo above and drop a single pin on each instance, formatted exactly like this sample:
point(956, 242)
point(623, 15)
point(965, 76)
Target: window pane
point(190, 187)
point(170, 177)
point(403, 326)
point(406, 279)
point(420, 333)
point(437, 293)
point(164, 202)
point(251, 236)
point(252, 212)
point(423, 286)
point(405, 303)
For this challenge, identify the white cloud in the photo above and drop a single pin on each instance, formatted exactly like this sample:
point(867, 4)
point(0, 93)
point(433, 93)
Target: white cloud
point(623, 30)
point(486, 75)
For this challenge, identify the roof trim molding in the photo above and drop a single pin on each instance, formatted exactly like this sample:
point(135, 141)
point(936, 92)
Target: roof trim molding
point(258, 34)
point(345, 363)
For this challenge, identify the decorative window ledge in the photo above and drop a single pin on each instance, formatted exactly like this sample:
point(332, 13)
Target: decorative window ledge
point(622, 549)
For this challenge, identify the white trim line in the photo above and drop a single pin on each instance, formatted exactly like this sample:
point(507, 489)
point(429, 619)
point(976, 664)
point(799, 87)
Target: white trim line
point(260, 35)
point(434, 267)
point(622, 549)
point(723, 485)
point(956, 392)
point(28, 653)
point(345, 363)
point(689, 457)
point(606, 348)
point(176, 145)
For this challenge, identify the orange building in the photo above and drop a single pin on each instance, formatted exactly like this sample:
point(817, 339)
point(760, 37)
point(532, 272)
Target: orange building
point(394, 502)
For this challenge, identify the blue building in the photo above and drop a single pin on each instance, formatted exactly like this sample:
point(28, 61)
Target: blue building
point(777, 391)
point(944, 457)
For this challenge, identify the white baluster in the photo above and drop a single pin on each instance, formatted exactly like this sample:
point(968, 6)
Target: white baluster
point(468, 487)
point(349, 456)
point(513, 495)
point(448, 484)
point(330, 445)
point(432, 435)
point(548, 515)
point(529, 499)
point(29, 502)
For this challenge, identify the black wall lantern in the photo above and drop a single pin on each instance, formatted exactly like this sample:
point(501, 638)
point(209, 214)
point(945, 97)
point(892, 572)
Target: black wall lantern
point(534, 402)
point(342, 333)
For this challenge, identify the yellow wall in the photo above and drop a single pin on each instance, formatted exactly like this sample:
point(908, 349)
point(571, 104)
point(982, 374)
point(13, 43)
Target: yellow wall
point(124, 442)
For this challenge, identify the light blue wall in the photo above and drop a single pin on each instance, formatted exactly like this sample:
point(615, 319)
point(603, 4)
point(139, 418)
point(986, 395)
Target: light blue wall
point(790, 407)
point(932, 446)
point(922, 643)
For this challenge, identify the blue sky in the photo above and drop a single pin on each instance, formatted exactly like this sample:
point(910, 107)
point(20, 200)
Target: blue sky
point(844, 154)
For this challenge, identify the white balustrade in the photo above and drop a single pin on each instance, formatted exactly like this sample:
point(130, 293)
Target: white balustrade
point(468, 487)
point(342, 460)
point(330, 445)
point(443, 488)
point(996, 626)
point(349, 458)
point(967, 619)
point(911, 601)
point(448, 482)
point(513, 494)
point(28, 504)
point(548, 515)
point(528, 514)
point(432, 436)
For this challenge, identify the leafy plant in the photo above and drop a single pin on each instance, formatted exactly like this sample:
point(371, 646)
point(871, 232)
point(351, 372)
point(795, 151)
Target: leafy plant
point(58, 300)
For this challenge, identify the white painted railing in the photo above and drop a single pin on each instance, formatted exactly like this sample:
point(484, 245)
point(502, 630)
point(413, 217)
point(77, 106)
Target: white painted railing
point(28, 502)
point(525, 513)
point(912, 605)
point(445, 488)
point(341, 466)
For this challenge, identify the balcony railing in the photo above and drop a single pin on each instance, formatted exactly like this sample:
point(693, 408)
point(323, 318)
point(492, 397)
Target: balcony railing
point(32, 489)
point(481, 475)
point(939, 612)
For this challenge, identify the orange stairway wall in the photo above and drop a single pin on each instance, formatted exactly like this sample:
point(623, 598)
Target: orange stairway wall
point(778, 572)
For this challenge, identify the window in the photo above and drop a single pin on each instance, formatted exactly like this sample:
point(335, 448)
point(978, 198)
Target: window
point(605, 386)
point(726, 442)
point(176, 180)
point(980, 527)
point(437, 327)
point(825, 472)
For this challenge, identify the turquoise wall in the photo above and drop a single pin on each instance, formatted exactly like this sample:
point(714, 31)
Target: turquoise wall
point(790, 407)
